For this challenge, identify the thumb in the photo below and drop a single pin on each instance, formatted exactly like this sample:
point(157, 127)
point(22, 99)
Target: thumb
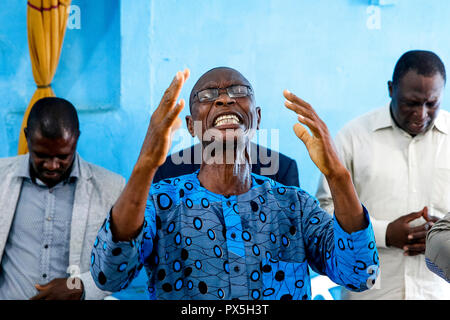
point(302, 133)
point(39, 287)
point(414, 215)
point(425, 214)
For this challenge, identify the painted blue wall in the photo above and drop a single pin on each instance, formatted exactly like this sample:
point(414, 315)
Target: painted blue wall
point(336, 54)
point(322, 50)
point(117, 65)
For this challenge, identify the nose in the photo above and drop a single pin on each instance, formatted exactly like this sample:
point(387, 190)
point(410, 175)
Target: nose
point(51, 164)
point(421, 112)
point(224, 100)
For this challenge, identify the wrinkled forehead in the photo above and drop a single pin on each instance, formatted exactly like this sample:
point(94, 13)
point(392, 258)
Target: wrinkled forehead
point(413, 85)
point(218, 78)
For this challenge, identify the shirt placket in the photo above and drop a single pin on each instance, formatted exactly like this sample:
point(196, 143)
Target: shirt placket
point(236, 248)
point(413, 201)
point(47, 236)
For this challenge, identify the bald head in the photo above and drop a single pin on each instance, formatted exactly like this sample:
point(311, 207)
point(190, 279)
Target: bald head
point(214, 78)
point(53, 118)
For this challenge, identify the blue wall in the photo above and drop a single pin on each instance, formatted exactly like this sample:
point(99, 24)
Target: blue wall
point(335, 54)
point(117, 65)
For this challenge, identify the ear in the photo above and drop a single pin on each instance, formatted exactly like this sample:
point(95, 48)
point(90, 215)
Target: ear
point(258, 113)
point(391, 89)
point(190, 125)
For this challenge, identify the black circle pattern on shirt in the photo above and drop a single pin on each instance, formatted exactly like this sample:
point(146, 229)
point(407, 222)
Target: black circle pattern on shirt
point(254, 206)
point(164, 201)
point(202, 224)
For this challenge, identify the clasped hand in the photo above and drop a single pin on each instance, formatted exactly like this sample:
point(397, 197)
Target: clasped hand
point(411, 240)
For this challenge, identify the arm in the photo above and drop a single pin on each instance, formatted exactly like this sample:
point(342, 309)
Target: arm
point(114, 264)
point(437, 252)
point(91, 291)
point(126, 237)
point(350, 260)
point(348, 210)
point(128, 212)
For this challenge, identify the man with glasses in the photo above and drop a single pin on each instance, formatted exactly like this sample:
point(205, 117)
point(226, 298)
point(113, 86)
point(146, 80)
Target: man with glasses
point(264, 161)
point(223, 232)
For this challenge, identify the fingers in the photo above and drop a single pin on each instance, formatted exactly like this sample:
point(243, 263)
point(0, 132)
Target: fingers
point(417, 236)
point(423, 227)
point(186, 73)
point(414, 249)
point(425, 214)
point(298, 105)
point(414, 215)
point(171, 94)
point(172, 115)
point(305, 112)
point(42, 294)
point(302, 133)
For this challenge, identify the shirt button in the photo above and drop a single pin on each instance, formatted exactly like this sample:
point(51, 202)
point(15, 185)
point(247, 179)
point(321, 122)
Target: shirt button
point(46, 246)
point(49, 219)
point(233, 235)
point(236, 269)
point(44, 275)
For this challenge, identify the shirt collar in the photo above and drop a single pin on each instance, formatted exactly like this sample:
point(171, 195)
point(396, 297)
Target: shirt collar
point(440, 124)
point(384, 120)
point(24, 169)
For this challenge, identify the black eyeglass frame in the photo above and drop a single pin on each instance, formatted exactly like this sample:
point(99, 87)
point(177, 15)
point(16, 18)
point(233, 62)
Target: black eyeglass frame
point(227, 89)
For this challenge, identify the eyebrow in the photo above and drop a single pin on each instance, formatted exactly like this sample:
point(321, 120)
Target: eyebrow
point(229, 83)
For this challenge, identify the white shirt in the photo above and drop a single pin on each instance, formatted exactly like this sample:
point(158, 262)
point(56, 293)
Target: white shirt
point(395, 174)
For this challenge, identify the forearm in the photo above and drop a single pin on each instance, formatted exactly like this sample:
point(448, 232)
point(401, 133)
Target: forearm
point(438, 248)
point(114, 263)
point(347, 207)
point(128, 212)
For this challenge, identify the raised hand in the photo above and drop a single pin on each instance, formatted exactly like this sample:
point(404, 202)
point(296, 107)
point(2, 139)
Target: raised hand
point(128, 212)
point(319, 144)
point(347, 208)
point(164, 121)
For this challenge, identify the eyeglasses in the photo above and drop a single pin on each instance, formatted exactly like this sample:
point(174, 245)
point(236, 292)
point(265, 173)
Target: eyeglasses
point(237, 91)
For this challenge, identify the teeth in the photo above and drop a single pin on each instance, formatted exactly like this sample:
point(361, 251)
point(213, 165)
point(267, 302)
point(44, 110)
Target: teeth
point(226, 119)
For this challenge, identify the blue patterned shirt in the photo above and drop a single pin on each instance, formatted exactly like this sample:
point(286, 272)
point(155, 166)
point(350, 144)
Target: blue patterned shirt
point(196, 244)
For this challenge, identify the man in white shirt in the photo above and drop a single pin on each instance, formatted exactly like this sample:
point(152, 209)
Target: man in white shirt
point(399, 158)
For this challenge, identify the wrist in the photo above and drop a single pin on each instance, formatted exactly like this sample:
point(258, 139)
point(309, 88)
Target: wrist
point(145, 166)
point(340, 173)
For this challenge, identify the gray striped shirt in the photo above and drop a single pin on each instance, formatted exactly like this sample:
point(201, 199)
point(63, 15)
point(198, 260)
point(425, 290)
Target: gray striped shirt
point(37, 249)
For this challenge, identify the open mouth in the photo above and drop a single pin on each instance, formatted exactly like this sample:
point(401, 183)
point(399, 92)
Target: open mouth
point(227, 119)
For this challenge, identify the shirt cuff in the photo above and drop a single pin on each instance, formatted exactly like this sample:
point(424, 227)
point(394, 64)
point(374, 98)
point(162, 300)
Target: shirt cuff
point(364, 234)
point(379, 229)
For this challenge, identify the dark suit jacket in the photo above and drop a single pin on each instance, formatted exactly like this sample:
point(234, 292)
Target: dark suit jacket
point(261, 157)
